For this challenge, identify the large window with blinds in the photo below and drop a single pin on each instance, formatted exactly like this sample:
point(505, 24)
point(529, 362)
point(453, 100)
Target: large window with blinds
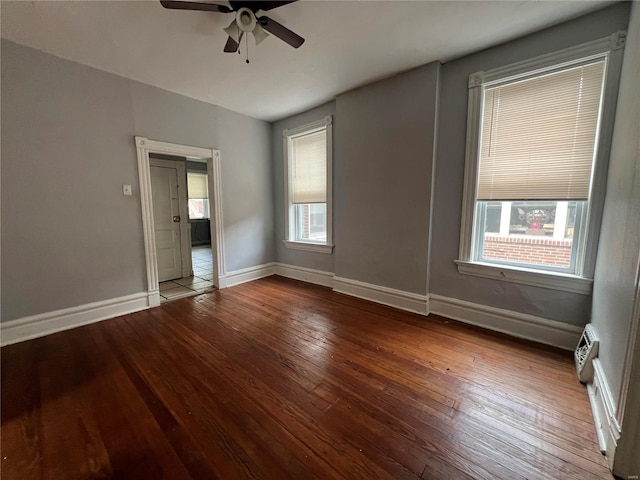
point(308, 186)
point(537, 146)
point(535, 138)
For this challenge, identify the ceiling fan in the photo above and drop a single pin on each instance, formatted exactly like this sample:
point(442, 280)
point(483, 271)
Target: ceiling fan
point(246, 20)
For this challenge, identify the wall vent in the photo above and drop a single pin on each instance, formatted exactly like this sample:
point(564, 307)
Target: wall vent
point(586, 351)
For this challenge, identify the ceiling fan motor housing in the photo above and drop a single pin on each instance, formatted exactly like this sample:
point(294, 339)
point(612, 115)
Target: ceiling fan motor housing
point(246, 19)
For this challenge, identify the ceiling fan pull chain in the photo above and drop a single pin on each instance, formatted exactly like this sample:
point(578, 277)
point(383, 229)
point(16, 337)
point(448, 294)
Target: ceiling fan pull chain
point(246, 44)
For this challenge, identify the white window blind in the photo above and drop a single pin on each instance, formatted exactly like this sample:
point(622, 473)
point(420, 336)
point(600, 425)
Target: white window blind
point(309, 168)
point(539, 135)
point(197, 185)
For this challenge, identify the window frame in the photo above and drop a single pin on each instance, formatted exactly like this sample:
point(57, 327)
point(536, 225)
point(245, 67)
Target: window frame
point(611, 48)
point(208, 208)
point(288, 135)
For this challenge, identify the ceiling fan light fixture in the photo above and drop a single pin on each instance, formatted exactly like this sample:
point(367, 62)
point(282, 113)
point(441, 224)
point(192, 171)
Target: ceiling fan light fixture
point(259, 34)
point(233, 31)
point(246, 20)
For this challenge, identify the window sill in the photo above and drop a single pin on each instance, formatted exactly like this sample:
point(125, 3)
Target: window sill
point(536, 278)
point(309, 247)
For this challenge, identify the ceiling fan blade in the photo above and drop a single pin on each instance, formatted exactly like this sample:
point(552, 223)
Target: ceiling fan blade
point(280, 31)
point(271, 5)
point(232, 46)
point(259, 34)
point(256, 5)
point(207, 7)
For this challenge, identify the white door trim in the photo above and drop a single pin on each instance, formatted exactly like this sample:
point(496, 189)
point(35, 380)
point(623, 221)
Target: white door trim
point(144, 147)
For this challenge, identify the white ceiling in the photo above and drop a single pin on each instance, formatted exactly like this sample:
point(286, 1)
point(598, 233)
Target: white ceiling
point(348, 44)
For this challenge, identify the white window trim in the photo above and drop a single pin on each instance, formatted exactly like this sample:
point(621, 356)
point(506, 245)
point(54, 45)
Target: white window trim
point(526, 276)
point(289, 221)
point(308, 246)
point(610, 47)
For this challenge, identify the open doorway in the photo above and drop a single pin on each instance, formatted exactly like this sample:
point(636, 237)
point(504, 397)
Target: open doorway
point(181, 258)
point(198, 232)
point(182, 225)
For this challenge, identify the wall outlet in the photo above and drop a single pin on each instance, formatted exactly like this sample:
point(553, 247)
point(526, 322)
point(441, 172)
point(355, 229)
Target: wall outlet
point(126, 190)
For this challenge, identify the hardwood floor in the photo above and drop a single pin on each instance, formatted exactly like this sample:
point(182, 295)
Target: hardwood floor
point(279, 379)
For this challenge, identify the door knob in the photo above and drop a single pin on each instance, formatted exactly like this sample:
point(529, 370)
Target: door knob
point(176, 218)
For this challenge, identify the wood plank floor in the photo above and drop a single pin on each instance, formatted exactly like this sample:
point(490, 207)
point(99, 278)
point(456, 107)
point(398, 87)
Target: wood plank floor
point(279, 379)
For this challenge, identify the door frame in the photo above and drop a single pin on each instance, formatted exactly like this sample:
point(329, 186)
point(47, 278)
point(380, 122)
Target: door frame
point(144, 147)
point(185, 231)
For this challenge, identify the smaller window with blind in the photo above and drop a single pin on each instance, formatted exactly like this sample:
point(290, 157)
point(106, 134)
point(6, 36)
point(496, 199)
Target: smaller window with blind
point(308, 186)
point(198, 191)
point(533, 144)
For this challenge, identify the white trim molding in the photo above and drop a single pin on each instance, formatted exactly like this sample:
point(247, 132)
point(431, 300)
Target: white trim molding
point(516, 324)
point(609, 48)
point(603, 408)
point(318, 277)
point(43, 324)
point(559, 58)
point(554, 281)
point(144, 147)
point(309, 247)
point(326, 124)
point(249, 274)
point(411, 302)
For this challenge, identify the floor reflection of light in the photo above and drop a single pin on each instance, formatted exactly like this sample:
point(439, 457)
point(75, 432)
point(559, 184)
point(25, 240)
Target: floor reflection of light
point(311, 344)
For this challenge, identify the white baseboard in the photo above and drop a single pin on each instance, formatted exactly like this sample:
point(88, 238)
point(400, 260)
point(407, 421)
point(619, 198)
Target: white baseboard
point(603, 408)
point(222, 282)
point(310, 275)
point(248, 274)
point(153, 297)
point(512, 323)
point(368, 291)
point(43, 324)
point(412, 302)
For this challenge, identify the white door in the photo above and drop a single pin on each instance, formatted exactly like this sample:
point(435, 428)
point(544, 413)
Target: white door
point(166, 219)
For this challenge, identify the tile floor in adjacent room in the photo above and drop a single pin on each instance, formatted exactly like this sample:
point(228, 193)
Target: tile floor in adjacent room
point(201, 281)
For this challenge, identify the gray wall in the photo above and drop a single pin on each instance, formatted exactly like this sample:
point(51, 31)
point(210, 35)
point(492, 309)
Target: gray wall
point(616, 278)
point(445, 279)
point(247, 189)
point(69, 236)
point(382, 189)
point(616, 267)
point(383, 138)
point(382, 161)
point(318, 261)
point(169, 117)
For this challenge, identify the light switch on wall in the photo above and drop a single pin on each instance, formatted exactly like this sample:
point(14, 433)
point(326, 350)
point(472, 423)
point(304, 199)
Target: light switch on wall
point(126, 189)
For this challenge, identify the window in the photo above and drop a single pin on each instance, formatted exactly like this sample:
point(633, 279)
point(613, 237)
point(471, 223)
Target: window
point(537, 146)
point(308, 187)
point(198, 189)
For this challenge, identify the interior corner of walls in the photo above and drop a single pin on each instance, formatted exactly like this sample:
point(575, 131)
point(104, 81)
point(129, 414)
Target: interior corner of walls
point(310, 275)
point(244, 275)
point(43, 324)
